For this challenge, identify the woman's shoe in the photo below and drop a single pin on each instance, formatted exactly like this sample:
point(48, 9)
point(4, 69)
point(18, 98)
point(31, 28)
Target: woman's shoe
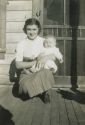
point(46, 98)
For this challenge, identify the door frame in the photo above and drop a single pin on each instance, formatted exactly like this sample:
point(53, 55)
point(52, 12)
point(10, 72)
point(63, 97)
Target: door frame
point(2, 28)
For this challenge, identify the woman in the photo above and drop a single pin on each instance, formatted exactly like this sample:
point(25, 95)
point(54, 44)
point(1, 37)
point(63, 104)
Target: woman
point(27, 51)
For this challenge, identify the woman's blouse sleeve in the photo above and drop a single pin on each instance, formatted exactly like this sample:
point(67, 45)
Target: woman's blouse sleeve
point(19, 52)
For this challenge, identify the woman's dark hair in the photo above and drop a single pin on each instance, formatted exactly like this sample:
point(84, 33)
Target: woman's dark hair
point(32, 21)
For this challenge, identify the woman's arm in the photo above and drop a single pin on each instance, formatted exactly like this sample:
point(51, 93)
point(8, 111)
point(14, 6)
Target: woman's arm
point(22, 65)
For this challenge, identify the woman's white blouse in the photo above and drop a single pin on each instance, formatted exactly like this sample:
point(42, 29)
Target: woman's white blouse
point(29, 48)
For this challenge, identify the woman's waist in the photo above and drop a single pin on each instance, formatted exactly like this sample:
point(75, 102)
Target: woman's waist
point(28, 59)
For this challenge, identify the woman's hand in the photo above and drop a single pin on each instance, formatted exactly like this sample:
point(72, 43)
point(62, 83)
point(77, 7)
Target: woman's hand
point(40, 63)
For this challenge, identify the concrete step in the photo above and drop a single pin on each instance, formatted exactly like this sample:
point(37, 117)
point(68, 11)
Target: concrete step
point(4, 72)
point(5, 63)
point(9, 56)
point(4, 80)
point(65, 81)
point(4, 67)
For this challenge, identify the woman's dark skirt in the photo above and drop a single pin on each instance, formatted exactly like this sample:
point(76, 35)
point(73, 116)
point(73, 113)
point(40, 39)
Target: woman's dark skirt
point(36, 83)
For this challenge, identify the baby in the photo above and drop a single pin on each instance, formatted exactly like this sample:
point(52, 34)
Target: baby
point(49, 47)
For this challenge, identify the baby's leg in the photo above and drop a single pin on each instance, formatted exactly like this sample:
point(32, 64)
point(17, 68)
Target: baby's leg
point(50, 64)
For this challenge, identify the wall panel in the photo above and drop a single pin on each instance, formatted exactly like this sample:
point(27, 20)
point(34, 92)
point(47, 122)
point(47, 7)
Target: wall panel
point(19, 5)
point(17, 12)
point(18, 15)
point(14, 37)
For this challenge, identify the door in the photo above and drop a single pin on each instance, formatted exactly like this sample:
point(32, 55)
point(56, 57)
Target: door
point(55, 17)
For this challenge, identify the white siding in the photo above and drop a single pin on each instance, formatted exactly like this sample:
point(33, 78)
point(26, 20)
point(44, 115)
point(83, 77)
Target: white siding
point(18, 15)
point(17, 12)
point(13, 27)
point(19, 5)
point(14, 37)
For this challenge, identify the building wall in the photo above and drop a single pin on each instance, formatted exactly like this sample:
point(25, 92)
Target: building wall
point(13, 14)
point(16, 14)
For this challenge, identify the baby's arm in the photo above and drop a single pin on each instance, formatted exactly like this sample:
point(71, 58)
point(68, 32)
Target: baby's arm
point(58, 55)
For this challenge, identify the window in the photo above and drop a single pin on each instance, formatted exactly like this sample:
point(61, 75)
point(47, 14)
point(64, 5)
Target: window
point(57, 12)
point(53, 12)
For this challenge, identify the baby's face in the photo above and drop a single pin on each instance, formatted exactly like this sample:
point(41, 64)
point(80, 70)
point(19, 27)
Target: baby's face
point(49, 42)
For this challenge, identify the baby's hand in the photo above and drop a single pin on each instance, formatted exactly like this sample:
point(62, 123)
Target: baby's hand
point(61, 60)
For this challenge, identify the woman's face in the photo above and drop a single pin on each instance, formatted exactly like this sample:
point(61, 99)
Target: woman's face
point(32, 31)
